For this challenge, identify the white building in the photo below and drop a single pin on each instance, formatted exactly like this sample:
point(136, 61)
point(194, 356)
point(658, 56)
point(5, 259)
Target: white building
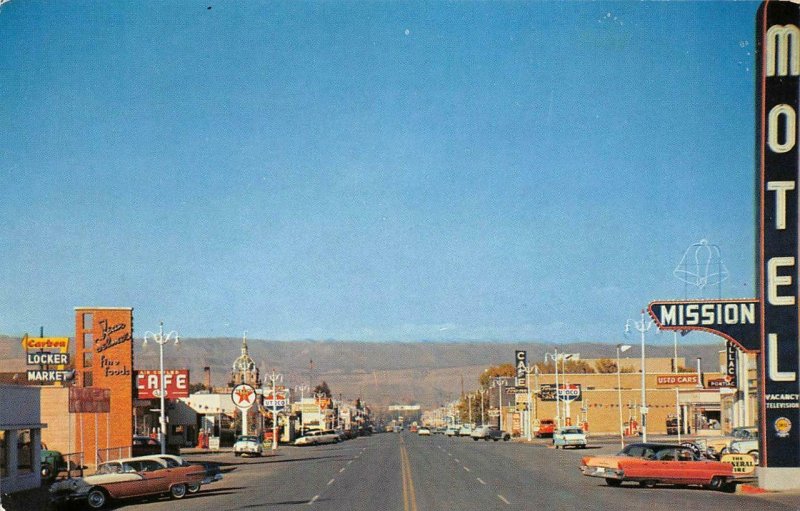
point(20, 438)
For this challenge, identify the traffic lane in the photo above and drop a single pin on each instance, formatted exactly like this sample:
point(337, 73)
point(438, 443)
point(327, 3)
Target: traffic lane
point(372, 480)
point(444, 482)
point(552, 479)
point(278, 481)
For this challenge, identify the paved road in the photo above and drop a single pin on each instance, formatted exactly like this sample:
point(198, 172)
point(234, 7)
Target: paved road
point(404, 472)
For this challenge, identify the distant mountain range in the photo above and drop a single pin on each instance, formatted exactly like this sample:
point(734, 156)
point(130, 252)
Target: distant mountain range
point(381, 373)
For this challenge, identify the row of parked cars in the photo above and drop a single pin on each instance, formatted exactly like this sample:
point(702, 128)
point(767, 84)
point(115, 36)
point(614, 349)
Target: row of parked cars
point(141, 476)
point(331, 436)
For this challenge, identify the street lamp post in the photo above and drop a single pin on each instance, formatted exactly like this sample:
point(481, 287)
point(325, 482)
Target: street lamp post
point(554, 357)
point(620, 348)
point(274, 378)
point(302, 389)
point(469, 407)
point(161, 340)
point(483, 394)
point(641, 327)
point(498, 382)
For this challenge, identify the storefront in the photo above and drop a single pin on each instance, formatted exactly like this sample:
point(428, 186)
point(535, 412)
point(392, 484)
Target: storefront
point(20, 438)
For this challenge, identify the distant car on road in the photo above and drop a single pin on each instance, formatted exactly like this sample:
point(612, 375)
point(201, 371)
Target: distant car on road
point(466, 430)
point(249, 445)
point(451, 431)
point(489, 433)
point(481, 432)
point(570, 436)
point(546, 428)
point(423, 431)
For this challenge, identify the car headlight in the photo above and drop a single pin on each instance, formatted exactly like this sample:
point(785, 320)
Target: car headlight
point(734, 449)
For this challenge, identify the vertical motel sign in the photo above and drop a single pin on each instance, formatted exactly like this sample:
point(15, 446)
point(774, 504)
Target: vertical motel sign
point(777, 82)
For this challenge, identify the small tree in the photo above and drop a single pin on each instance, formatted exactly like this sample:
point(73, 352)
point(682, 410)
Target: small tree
point(505, 370)
point(605, 366)
point(322, 388)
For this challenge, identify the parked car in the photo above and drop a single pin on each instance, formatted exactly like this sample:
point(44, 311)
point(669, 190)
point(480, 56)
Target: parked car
point(674, 465)
point(546, 428)
point(423, 431)
point(127, 478)
point(52, 462)
point(465, 430)
point(480, 433)
point(745, 447)
point(489, 433)
point(720, 445)
point(570, 436)
point(451, 431)
point(317, 437)
point(144, 445)
point(212, 471)
point(310, 438)
point(248, 445)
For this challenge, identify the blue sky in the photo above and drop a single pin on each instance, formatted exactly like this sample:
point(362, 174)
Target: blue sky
point(371, 171)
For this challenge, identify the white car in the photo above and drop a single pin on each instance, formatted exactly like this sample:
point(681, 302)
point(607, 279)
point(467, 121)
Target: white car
point(466, 430)
point(248, 445)
point(570, 436)
point(424, 432)
point(213, 472)
point(451, 431)
point(318, 437)
point(745, 447)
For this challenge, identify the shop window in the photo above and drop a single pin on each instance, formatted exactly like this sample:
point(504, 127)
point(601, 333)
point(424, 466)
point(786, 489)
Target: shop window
point(3, 457)
point(24, 452)
point(87, 358)
point(88, 321)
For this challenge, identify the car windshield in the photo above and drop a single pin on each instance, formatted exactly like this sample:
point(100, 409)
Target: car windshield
point(247, 439)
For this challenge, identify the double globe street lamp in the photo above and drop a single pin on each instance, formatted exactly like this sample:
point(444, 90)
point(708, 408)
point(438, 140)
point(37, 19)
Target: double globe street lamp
point(161, 340)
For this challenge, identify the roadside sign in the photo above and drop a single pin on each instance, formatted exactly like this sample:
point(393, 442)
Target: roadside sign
point(742, 463)
point(275, 400)
point(243, 396)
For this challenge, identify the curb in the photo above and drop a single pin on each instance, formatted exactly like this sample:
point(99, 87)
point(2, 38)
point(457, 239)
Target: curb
point(749, 489)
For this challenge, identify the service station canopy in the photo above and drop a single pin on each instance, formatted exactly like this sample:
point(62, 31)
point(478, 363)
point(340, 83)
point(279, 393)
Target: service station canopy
point(738, 321)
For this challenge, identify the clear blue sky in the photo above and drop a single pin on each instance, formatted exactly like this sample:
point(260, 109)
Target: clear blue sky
point(371, 171)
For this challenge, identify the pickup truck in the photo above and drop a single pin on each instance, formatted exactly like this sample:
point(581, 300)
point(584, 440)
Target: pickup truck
point(546, 428)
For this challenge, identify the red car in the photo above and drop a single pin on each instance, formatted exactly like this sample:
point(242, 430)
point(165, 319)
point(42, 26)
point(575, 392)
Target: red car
point(676, 465)
point(546, 428)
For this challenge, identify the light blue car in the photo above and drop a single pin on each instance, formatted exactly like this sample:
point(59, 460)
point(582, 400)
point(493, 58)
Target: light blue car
point(572, 436)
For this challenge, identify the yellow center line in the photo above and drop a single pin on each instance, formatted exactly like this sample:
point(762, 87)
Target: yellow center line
point(409, 495)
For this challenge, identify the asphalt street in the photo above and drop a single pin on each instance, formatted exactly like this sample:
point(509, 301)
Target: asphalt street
point(405, 472)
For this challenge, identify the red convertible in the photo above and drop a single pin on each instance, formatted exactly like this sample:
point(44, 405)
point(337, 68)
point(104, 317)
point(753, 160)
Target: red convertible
point(662, 464)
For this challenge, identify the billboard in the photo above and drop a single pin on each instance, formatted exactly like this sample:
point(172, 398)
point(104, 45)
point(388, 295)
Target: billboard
point(148, 383)
point(568, 392)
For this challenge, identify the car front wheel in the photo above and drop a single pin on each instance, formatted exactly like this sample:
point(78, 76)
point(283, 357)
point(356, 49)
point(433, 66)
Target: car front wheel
point(96, 498)
point(613, 482)
point(193, 488)
point(177, 491)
